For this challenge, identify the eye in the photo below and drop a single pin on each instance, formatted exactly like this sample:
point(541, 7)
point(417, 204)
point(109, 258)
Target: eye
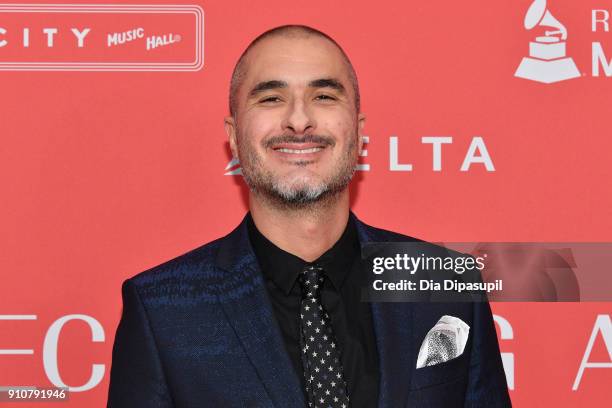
point(325, 97)
point(270, 99)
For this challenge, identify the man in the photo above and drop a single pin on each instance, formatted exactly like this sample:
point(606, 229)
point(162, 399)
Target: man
point(270, 315)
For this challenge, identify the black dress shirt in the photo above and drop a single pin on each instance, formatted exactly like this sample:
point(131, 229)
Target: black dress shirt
point(351, 318)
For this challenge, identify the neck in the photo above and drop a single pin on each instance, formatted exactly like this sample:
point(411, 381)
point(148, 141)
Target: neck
point(304, 232)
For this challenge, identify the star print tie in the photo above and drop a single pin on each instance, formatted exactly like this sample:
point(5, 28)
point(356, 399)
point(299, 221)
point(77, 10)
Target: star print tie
point(325, 384)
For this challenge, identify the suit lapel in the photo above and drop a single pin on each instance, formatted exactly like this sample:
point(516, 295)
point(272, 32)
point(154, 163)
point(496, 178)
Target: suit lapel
point(245, 300)
point(393, 323)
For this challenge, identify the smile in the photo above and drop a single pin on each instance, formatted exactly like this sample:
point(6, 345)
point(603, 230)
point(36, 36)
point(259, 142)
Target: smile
point(299, 151)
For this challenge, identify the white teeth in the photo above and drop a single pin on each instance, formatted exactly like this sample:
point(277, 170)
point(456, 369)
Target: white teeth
point(302, 151)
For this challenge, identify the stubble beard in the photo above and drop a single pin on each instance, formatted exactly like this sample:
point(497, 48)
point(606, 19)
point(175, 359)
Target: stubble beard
point(300, 193)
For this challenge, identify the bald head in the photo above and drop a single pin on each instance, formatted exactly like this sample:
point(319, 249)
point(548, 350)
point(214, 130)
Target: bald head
point(286, 31)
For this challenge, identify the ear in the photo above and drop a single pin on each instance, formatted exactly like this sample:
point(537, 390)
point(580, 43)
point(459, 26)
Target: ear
point(360, 124)
point(230, 128)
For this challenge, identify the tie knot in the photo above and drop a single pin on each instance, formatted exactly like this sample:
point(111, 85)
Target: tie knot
point(311, 280)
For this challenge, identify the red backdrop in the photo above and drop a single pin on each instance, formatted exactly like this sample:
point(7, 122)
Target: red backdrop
point(106, 173)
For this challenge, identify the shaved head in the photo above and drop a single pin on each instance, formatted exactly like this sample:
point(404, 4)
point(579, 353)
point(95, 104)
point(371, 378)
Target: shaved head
point(286, 31)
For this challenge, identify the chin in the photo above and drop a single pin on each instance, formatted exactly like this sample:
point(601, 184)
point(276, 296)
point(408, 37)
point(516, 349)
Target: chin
point(301, 182)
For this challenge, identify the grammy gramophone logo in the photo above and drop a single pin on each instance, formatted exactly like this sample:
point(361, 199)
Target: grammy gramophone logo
point(547, 61)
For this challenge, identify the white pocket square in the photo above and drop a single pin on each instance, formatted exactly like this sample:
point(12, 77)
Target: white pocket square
point(445, 341)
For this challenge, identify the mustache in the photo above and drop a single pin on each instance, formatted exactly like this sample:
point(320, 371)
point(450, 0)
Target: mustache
point(319, 139)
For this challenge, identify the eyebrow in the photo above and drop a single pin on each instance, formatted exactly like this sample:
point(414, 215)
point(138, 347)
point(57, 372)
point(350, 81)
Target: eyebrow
point(317, 83)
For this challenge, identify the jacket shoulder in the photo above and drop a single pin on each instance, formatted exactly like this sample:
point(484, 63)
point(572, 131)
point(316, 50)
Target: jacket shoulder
point(190, 271)
point(376, 234)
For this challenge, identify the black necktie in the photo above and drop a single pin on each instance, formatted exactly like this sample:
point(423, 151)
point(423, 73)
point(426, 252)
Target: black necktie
point(325, 384)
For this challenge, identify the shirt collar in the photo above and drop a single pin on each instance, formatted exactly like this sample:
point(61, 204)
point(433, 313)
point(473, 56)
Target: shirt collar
point(283, 268)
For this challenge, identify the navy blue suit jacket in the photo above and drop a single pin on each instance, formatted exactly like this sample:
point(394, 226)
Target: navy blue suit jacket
point(199, 331)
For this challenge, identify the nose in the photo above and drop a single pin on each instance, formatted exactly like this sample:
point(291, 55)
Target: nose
point(298, 118)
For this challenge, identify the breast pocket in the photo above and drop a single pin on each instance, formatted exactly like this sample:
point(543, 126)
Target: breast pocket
point(448, 371)
point(449, 394)
point(441, 385)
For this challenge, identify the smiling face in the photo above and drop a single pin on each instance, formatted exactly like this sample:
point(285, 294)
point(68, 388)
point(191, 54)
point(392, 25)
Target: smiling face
point(296, 130)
